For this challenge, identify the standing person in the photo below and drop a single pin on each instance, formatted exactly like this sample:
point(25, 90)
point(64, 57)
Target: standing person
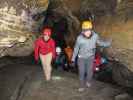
point(45, 49)
point(85, 51)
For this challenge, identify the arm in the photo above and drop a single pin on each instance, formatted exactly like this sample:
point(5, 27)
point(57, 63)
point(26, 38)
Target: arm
point(103, 43)
point(76, 50)
point(36, 50)
point(53, 49)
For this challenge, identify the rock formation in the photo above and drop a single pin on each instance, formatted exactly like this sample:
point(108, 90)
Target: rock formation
point(19, 21)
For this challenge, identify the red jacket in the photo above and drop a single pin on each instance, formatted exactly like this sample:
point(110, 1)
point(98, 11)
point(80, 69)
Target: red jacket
point(42, 47)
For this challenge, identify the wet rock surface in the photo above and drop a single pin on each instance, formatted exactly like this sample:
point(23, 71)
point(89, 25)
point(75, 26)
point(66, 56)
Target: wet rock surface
point(27, 82)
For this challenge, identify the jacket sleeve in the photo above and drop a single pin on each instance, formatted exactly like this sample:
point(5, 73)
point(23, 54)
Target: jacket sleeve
point(36, 50)
point(76, 50)
point(103, 43)
point(53, 49)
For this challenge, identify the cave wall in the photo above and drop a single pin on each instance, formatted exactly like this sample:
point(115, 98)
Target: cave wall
point(19, 21)
point(119, 27)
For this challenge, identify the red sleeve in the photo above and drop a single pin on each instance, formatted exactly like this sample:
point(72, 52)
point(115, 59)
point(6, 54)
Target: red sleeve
point(36, 50)
point(53, 49)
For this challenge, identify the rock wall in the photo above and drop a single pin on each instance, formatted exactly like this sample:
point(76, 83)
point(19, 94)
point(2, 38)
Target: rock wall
point(18, 21)
point(122, 46)
point(119, 28)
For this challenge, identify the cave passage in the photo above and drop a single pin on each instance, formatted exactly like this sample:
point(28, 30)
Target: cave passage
point(22, 78)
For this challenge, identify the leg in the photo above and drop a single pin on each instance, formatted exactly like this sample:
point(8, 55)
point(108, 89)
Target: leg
point(89, 69)
point(81, 68)
point(46, 63)
point(42, 58)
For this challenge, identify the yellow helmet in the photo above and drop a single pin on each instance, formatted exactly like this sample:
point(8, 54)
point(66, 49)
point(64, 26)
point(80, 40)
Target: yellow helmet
point(86, 25)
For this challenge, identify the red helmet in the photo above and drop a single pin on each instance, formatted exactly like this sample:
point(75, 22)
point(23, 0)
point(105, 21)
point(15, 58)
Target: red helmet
point(47, 31)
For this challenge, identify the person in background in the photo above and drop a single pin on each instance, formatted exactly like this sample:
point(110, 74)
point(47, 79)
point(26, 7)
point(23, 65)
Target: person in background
point(68, 51)
point(84, 50)
point(45, 50)
point(61, 62)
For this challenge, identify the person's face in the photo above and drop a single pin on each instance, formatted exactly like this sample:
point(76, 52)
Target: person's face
point(46, 37)
point(87, 33)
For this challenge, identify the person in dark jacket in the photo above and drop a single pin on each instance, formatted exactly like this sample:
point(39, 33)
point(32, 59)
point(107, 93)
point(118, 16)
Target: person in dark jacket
point(61, 62)
point(84, 50)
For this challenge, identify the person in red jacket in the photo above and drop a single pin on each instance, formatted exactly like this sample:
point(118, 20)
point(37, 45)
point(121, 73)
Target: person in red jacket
point(45, 50)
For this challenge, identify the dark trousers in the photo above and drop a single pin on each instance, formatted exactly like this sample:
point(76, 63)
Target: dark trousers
point(85, 67)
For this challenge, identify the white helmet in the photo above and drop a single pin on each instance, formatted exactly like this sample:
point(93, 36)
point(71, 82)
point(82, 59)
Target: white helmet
point(58, 50)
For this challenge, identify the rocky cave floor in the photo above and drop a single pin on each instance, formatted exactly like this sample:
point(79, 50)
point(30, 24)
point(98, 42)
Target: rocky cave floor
point(25, 81)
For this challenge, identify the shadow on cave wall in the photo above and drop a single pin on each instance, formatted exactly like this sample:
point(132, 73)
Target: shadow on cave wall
point(59, 27)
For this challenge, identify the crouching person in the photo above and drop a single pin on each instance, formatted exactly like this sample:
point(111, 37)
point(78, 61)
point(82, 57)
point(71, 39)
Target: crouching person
point(60, 60)
point(45, 50)
point(85, 51)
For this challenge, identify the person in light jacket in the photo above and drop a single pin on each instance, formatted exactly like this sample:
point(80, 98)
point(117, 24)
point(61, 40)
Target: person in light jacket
point(84, 50)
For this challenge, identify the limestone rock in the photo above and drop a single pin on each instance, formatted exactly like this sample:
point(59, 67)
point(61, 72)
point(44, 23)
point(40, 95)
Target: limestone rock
point(18, 22)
